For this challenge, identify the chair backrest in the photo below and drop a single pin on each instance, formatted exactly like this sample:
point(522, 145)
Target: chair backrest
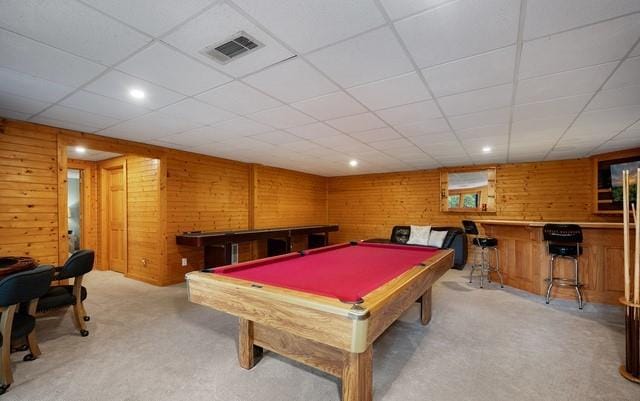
point(563, 233)
point(25, 286)
point(470, 227)
point(81, 262)
point(400, 234)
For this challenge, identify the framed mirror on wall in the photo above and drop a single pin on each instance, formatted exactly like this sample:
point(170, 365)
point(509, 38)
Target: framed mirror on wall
point(608, 180)
point(468, 190)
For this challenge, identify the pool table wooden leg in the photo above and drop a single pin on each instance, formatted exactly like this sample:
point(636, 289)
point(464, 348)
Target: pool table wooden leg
point(248, 353)
point(425, 307)
point(357, 376)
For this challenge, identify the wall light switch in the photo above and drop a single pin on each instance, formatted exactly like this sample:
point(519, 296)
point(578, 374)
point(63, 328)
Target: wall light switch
point(184, 262)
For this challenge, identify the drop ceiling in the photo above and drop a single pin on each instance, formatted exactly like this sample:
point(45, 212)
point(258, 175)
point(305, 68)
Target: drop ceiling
point(395, 84)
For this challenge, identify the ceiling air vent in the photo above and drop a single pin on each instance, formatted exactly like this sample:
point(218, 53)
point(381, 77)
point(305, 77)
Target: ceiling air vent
point(238, 45)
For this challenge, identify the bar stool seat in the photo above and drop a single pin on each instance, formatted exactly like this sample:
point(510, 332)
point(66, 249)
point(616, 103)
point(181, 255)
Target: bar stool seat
point(485, 242)
point(564, 250)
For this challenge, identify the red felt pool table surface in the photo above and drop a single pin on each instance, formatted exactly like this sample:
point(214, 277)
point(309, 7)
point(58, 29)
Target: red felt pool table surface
point(347, 272)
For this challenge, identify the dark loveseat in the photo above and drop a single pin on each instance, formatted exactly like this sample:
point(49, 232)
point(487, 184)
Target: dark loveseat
point(455, 239)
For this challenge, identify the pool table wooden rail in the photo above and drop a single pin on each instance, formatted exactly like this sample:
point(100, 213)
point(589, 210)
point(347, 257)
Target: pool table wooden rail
point(319, 331)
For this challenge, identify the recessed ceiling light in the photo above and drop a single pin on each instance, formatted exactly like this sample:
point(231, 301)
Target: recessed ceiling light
point(353, 163)
point(486, 149)
point(80, 149)
point(136, 93)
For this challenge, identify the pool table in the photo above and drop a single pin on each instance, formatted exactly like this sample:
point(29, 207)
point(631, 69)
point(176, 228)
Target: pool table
point(323, 307)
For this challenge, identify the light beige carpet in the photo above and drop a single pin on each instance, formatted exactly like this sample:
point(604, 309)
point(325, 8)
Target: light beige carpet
point(149, 343)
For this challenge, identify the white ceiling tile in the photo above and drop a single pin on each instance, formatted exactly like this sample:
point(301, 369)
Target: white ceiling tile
point(238, 98)
point(433, 126)
point(481, 71)
point(241, 127)
point(460, 29)
point(410, 113)
point(369, 57)
point(484, 132)
point(218, 24)
point(479, 119)
point(63, 124)
point(200, 136)
point(291, 81)
point(39, 60)
point(20, 104)
point(333, 105)
point(338, 142)
point(402, 8)
point(314, 130)
point(300, 146)
point(559, 106)
point(117, 85)
point(71, 115)
point(574, 82)
point(591, 45)
point(153, 17)
point(87, 101)
point(541, 129)
point(32, 87)
point(359, 122)
point(166, 67)
point(605, 121)
point(73, 27)
point(545, 17)
point(277, 137)
point(16, 115)
point(478, 100)
point(627, 74)
point(150, 126)
point(623, 96)
point(198, 112)
point(636, 51)
point(403, 89)
point(282, 117)
point(378, 134)
point(389, 144)
point(247, 143)
point(309, 24)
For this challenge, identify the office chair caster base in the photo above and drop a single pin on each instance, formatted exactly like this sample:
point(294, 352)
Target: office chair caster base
point(84, 333)
point(29, 357)
point(86, 318)
point(4, 388)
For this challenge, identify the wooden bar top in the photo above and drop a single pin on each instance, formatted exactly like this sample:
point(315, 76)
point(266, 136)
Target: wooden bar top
point(583, 224)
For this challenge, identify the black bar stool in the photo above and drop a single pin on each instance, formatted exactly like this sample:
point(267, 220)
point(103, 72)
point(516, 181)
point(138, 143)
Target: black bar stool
point(563, 241)
point(482, 245)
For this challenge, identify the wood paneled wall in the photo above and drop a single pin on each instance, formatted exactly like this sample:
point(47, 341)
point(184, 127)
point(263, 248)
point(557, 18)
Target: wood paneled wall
point(203, 193)
point(370, 205)
point(28, 192)
point(288, 198)
point(194, 192)
point(146, 254)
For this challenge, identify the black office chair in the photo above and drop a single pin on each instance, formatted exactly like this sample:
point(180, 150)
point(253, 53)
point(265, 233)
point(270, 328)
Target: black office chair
point(482, 245)
point(63, 296)
point(17, 323)
point(563, 241)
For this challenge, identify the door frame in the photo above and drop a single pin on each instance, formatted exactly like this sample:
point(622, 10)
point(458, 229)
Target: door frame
point(86, 200)
point(104, 167)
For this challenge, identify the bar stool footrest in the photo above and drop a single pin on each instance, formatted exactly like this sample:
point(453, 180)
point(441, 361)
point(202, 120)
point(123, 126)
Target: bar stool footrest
point(563, 282)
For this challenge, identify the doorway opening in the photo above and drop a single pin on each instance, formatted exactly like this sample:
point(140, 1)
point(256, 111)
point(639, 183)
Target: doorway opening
point(97, 205)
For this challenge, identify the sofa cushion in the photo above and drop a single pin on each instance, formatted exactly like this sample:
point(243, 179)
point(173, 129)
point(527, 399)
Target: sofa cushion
point(436, 238)
point(419, 235)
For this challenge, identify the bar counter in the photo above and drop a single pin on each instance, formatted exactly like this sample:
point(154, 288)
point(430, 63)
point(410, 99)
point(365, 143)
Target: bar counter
point(524, 261)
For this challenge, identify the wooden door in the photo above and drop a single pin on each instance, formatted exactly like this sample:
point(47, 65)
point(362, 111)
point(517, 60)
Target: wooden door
point(116, 220)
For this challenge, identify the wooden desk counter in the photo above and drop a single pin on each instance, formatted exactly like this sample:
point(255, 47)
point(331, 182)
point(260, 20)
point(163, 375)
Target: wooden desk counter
point(525, 263)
